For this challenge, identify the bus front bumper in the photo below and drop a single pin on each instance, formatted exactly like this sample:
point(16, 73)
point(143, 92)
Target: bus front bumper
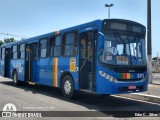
point(108, 87)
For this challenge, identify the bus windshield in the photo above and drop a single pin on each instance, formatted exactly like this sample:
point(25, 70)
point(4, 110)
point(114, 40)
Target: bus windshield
point(123, 50)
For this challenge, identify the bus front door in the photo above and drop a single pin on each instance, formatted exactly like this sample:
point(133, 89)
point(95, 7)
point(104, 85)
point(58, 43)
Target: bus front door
point(31, 62)
point(87, 60)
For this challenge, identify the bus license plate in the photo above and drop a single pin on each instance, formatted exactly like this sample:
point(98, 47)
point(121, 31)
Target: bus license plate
point(132, 87)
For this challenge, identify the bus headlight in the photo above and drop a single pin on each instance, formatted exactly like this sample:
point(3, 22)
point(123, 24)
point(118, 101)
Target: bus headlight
point(108, 77)
point(102, 73)
point(113, 79)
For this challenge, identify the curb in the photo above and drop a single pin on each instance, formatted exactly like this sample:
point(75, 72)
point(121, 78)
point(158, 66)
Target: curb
point(144, 97)
point(155, 84)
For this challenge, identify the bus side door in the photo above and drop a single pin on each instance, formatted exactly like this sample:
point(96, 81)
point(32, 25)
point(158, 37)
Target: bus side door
point(31, 62)
point(3, 61)
point(87, 61)
point(7, 62)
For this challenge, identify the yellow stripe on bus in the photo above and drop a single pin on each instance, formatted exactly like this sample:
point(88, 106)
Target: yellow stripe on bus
point(128, 76)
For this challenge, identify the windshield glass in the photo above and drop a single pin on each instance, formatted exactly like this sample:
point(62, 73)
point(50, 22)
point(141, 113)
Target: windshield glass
point(123, 50)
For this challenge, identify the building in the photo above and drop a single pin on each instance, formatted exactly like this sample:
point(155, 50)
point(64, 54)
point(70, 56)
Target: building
point(156, 64)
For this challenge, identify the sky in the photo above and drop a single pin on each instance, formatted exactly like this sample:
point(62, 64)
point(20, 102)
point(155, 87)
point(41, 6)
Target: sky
point(29, 18)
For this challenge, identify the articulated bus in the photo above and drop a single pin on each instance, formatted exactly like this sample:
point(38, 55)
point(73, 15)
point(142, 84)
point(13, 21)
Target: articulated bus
point(104, 57)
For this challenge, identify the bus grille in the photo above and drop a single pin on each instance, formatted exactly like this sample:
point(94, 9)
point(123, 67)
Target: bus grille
point(129, 80)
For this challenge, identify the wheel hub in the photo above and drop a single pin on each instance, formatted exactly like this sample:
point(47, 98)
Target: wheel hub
point(14, 78)
point(67, 86)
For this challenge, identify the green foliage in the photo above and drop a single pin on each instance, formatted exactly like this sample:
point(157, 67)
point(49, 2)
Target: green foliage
point(1, 42)
point(7, 40)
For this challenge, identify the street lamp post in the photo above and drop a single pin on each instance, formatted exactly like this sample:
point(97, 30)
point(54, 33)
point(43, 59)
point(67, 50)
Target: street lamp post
point(109, 5)
point(149, 41)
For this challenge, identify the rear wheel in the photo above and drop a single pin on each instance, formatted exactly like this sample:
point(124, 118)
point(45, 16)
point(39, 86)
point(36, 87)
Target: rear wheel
point(16, 82)
point(15, 78)
point(67, 86)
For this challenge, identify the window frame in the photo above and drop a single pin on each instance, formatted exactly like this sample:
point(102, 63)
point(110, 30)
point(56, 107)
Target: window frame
point(40, 48)
point(3, 53)
point(51, 46)
point(19, 51)
point(54, 45)
point(75, 44)
point(0, 54)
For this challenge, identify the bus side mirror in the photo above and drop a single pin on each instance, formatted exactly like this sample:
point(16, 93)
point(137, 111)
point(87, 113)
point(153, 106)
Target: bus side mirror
point(100, 44)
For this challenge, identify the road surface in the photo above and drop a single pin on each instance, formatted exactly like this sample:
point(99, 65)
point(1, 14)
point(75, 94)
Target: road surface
point(42, 98)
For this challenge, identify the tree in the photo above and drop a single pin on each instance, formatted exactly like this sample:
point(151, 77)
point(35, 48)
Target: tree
point(1, 42)
point(9, 40)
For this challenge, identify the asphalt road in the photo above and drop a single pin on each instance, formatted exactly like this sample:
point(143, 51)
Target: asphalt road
point(42, 98)
point(156, 78)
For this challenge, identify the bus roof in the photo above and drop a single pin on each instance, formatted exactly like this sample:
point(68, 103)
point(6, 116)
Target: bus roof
point(96, 22)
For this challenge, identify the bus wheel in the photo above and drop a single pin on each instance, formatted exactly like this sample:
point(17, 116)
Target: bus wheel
point(68, 87)
point(15, 78)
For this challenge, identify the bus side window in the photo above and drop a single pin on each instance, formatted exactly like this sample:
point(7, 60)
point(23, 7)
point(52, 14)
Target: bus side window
point(21, 51)
point(57, 46)
point(70, 44)
point(2, 53)
point(51, 46)
point(15, 52)
point(43, 48)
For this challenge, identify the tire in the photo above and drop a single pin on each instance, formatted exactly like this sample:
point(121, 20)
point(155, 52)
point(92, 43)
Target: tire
point(15, 78)
point(67, 87)
point(106, 95)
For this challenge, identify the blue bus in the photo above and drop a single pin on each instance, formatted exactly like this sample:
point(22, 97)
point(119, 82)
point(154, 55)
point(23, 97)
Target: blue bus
point(103, 56)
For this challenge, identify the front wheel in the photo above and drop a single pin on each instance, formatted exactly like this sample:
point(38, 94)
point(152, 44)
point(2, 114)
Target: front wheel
point(67, 86)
